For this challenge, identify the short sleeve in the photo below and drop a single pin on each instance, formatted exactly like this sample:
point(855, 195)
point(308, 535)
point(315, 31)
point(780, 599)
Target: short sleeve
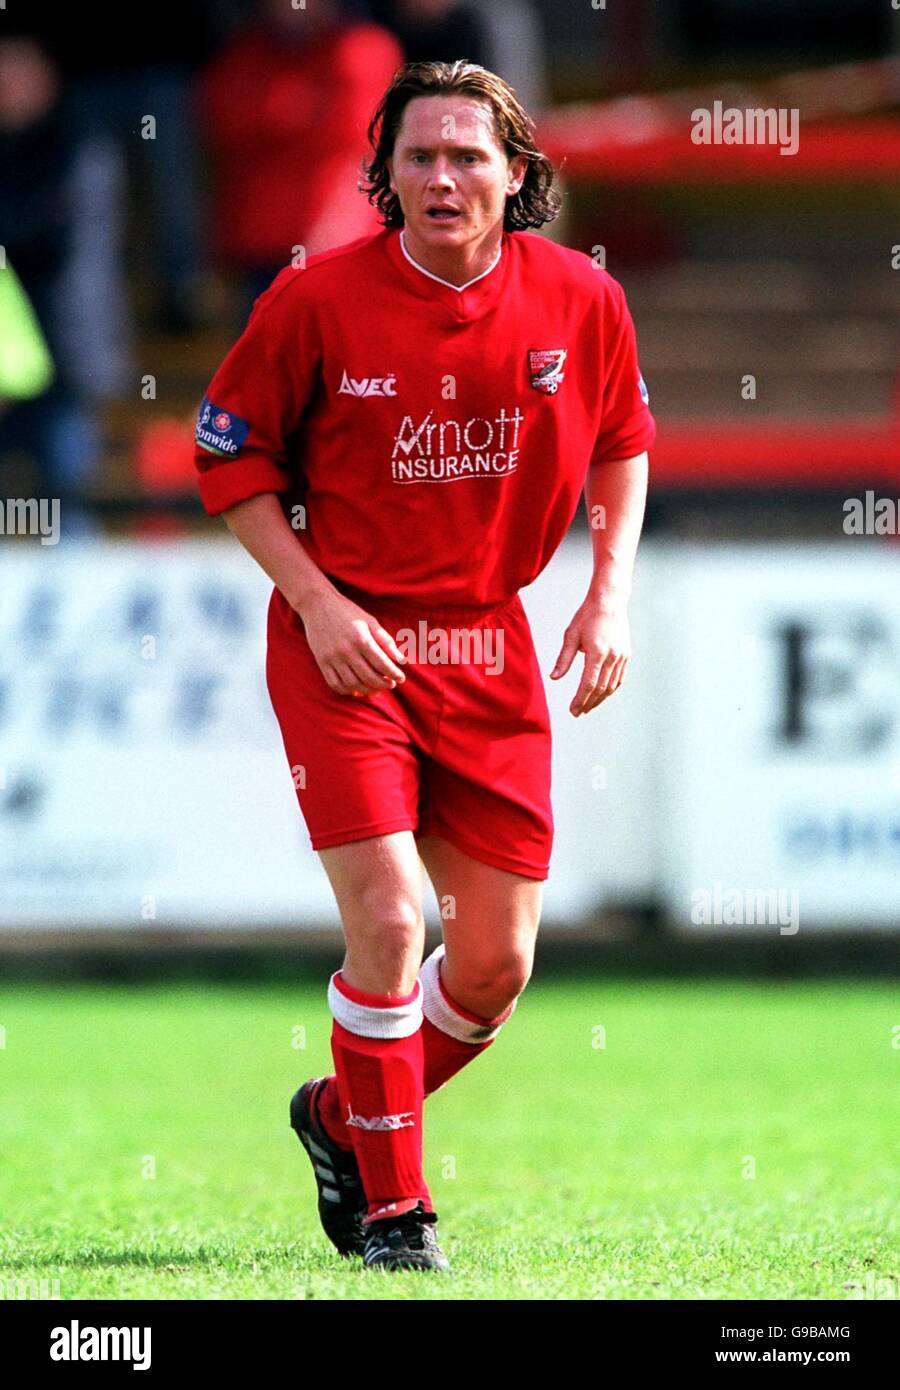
point(627, 427)
point(256, 398)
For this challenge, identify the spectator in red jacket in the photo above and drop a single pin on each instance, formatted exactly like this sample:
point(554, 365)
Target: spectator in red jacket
point(286, 105)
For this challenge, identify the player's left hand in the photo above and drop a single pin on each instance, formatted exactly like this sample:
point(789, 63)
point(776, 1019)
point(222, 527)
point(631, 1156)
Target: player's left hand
point(599, 629)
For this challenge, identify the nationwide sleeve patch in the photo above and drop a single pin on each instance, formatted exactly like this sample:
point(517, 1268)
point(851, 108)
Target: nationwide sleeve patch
point(220, 431)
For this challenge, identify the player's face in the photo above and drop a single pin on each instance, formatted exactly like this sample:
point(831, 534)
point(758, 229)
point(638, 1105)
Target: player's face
point(450, 173)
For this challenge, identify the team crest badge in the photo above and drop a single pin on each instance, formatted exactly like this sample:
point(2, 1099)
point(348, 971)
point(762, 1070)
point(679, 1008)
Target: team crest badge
point(546, 366)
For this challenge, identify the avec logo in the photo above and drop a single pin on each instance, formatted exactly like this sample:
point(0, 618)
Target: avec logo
point(368, 386)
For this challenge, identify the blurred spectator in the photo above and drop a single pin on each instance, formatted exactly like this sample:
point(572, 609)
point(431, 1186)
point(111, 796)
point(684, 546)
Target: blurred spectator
point(124, 73)
point(286, 105)
point(54, 429)
point(502, 35)
point(515, 49)
point(64, 201)
point(436, 31)
point(26, 367)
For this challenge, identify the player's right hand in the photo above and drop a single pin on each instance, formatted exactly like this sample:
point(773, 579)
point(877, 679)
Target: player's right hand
point(355, 654)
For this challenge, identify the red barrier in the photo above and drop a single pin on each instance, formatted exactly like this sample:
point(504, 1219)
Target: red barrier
point(723, 454)
point(850, 150)
point(834, 110)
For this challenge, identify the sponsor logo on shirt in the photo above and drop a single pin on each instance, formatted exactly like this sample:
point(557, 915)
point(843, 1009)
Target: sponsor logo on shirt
point(368, 385)
point(546, 365)
point(443, 451)
point(218, 430)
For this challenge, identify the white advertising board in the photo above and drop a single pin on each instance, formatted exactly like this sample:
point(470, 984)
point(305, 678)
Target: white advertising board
point(747, 776)
point(780, 797)
point(142, 775)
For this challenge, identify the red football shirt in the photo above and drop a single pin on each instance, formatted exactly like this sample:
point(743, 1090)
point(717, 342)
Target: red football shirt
point(429, 443)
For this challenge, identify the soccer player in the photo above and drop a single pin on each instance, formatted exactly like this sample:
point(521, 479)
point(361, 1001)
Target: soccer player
point(400, 438)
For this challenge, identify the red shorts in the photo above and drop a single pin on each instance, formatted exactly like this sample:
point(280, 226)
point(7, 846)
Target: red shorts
point(461, 749)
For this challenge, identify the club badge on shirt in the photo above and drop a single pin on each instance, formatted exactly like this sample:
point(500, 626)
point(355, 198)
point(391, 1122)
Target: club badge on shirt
point(546, 366)
point(220, 431)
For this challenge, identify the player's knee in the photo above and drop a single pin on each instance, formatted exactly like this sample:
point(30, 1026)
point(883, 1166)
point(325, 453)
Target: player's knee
point(388, 911)
point(491, 987)
point(510, 982)
point(386, 936)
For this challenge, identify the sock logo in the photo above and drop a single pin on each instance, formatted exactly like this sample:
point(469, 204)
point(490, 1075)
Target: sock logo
point(381, 1122)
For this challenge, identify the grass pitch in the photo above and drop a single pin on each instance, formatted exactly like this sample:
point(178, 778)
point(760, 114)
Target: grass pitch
point(637, 1140)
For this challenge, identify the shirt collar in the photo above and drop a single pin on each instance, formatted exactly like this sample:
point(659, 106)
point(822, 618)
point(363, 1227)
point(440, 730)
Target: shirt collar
point(459, 288)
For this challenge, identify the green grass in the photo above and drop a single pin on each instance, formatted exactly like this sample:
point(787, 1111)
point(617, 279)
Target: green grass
point(559, 1169)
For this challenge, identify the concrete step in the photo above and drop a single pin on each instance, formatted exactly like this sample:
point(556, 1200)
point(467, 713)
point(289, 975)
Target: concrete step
point(757, 286)
point(690, 342)
point(815, 398)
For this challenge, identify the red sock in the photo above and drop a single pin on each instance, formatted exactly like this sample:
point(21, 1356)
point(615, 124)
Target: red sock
point(445, 1052)
point(331, 1115)
point(376, 1041)
point(451, 1035)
